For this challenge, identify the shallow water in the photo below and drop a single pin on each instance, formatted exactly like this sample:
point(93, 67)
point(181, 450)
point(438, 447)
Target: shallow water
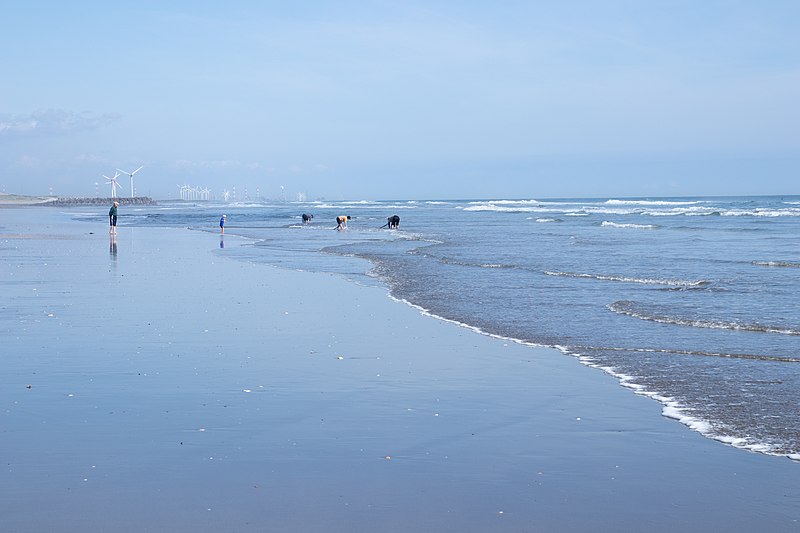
point(692, 301)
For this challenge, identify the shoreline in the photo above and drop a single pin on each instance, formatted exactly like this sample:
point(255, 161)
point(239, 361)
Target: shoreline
point(175, 389)
point(671, 409)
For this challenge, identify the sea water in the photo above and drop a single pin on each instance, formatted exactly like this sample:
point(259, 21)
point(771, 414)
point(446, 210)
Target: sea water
point(691, 301)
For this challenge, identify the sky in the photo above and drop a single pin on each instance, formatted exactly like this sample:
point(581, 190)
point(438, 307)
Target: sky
point(401, 99)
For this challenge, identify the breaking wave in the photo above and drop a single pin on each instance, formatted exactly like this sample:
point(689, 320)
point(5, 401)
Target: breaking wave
point(783, 264)
point(608, 224)
point(628, 207)
point(632, 309)
point(650, 202)
point(698, 353)
point(628, 279)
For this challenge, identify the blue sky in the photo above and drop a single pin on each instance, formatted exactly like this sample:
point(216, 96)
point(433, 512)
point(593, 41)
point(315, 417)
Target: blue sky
point(384, 99)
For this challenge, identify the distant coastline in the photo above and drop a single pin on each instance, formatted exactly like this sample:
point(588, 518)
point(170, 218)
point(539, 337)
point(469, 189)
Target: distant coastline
point(13, 200)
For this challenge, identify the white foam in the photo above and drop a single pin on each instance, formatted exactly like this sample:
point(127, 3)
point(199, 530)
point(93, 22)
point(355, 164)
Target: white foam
point(654, 208)
point(500, 208)
point(624, 308)
point(360, 205)
point(627, 279)
point(608, 224)
point(650, 202)
point(505, 202)
point(676, 411)
point(786, 264)
point(672, 408)
point(769, 213)
point(243, 204)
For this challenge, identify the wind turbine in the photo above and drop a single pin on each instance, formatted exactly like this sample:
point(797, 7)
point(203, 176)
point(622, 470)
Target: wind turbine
point(185, 191)
point(131, 176)
point(114, 183)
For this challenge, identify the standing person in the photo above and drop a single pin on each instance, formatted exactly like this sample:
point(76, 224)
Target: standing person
point(341, 222)
point(222, 223)
point(112, 219)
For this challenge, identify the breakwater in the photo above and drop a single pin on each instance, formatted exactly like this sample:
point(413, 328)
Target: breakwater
point(71, 201)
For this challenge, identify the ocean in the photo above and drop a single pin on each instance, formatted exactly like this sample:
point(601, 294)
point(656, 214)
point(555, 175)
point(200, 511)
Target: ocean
point(690, 301)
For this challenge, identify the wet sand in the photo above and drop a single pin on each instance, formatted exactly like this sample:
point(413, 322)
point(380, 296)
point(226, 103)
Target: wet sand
point(154, 384)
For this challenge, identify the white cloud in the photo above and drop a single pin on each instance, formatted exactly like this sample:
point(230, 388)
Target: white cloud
point(28, 161)
point(225, 164)
point(90, 159)
point(53, 121)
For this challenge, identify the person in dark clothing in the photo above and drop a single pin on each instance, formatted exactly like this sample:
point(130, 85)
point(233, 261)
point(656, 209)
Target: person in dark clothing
point(112, 219)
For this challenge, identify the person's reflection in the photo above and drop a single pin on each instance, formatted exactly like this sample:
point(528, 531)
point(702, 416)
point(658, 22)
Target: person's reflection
point(112, 246)
point(221, 241)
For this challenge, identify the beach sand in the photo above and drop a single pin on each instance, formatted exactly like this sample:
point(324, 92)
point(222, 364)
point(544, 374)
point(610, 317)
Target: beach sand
point(158, 384)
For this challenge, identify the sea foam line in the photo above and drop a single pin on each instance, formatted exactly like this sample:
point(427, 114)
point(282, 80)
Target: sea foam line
point(674, 410)
point(671, 408)
point(784, 264)
point(627, 308)
point(608, 224)
point(650, 202)
point(644, 281)
point(747, 356)
point(360, 205)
